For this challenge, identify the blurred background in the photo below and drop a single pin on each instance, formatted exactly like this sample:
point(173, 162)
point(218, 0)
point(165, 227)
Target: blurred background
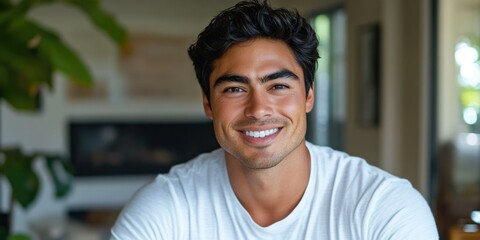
point(398, 84)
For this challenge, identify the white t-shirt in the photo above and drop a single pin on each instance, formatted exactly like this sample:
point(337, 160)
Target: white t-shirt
point(345, 199)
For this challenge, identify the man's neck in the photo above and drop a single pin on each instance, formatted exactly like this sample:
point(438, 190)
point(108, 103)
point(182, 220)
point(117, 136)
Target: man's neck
point(270, 195)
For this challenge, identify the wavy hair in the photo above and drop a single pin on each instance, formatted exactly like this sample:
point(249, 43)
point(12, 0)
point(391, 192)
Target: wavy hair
point(248, 20)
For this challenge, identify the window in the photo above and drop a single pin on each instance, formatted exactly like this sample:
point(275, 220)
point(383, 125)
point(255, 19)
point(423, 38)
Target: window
point(327, 119)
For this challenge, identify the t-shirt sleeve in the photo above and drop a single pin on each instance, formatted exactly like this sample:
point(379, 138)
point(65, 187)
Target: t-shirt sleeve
point(149, 215)
point(401, 213)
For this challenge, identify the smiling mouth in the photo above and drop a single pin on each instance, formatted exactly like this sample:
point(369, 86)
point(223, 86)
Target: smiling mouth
point(261, 134)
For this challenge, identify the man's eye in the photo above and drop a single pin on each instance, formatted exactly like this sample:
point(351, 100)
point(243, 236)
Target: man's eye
point(233, 90)
point(280, 86)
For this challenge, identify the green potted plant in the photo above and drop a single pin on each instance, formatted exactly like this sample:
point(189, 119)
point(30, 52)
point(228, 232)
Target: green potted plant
point(30, 54)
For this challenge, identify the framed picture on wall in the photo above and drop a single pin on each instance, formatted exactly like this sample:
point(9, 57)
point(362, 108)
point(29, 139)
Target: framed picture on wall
point(369, 70)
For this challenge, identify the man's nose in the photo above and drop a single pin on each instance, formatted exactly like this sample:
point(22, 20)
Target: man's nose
point(258, 106)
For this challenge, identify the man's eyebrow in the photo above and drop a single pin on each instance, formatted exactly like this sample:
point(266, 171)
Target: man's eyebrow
point(230, 78)
point(284, 73)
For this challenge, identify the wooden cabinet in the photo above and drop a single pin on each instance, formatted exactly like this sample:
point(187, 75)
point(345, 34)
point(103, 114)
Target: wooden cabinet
point(459, 233)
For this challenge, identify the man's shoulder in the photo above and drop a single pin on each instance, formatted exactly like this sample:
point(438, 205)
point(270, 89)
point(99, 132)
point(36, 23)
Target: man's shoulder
point(183, 180)
point(196, 171)
point(170, 198)
point(339, 163)
point(368, 194)
point(353, 176)
point(198, 166)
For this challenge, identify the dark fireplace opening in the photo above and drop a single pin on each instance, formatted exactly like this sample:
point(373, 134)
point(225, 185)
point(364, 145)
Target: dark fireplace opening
point(136, 148)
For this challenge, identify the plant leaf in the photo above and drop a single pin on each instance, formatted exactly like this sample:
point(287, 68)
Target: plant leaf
point(20, 99)
point(11, 12)
point(5, 5)
point(60, 172)
point(53, 49)
point(19, 236)
point(49, 48)
point(3, 233)
point(18, 96)
point(103, 20)
point(24, 182)
point(26, 62)
point(21, 75)
point(65, 60)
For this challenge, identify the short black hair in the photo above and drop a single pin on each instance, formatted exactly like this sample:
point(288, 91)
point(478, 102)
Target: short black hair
point(249, 20)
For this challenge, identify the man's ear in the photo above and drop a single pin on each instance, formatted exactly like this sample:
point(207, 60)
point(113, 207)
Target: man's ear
point(206, 107)
point(310, 99)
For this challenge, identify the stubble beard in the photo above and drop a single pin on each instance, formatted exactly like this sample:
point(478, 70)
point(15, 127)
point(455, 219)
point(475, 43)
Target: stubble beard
point(256, 162)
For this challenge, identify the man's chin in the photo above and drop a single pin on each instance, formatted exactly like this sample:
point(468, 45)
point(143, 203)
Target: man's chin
point(259, 161)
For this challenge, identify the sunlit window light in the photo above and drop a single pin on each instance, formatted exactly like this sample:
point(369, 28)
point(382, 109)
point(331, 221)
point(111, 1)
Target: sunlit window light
point(470, 115)
point(470, 73)
point(476, 216)
point(472, 140)
point(465, 54)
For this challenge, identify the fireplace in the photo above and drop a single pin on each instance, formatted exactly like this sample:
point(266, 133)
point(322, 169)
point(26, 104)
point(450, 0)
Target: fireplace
point(102, 148)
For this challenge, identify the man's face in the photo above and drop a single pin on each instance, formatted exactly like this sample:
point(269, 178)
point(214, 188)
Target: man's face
point(258, 103)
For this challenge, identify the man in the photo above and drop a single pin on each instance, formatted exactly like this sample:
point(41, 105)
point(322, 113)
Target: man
point(256, 67)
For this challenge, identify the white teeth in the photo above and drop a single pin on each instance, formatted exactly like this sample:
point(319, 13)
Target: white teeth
point(261, 134)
